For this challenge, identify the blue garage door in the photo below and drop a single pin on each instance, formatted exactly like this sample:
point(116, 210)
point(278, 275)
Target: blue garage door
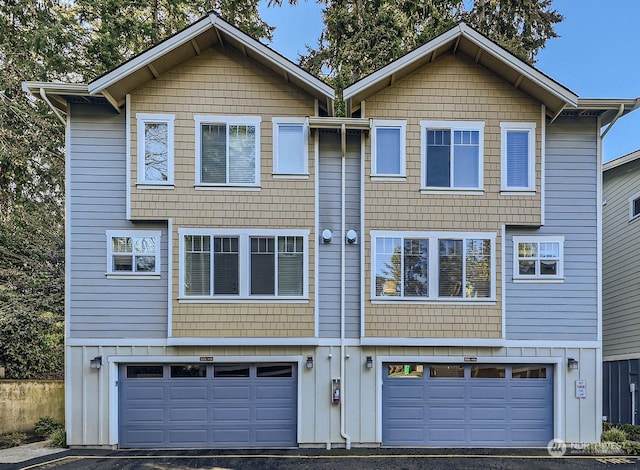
point(467, 405)
point(214, 405)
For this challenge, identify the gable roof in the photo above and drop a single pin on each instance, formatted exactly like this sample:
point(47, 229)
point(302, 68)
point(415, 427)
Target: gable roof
point(620, 161)
point(190, 42)
point(462, 39)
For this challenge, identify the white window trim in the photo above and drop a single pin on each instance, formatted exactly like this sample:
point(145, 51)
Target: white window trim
point(227, 120)
point(505, 127)
point(244, 264)
point(111, 274)
point(631, 200)
point(141, 120)
point(389, 124)
point(451, 126)
point(433, 238)
point(518, 278)
point(284, 121)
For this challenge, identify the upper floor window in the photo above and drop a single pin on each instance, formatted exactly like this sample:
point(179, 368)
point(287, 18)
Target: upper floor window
point(438, 266)
point(452, 155)
point(155, 148)
point(634, 206)
point(290, 146)
point(227, 150)
point(133, 252)
point(388, 148)
point(538, 258)
point(518, 156)
point(243, 263)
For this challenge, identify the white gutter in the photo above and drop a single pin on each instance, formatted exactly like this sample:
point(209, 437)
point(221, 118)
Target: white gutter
point(620, 111)
point(43, 95)
point(343, 348)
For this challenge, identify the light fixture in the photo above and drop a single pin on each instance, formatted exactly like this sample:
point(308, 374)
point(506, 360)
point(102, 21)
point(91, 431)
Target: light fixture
point(327, 236)
point(369, 362)
point(96, 362)
point(572, 363)
point(309, 362)
point(352, 237)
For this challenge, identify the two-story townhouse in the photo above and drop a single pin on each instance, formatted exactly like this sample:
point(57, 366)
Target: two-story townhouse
point(245, 269)
point(620, 299)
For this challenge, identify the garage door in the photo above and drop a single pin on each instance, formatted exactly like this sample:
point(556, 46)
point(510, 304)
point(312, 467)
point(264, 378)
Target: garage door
point(214, 405)
point(467, 405)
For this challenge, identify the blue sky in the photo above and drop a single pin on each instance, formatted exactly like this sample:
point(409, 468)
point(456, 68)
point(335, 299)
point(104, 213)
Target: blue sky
point(596, 56)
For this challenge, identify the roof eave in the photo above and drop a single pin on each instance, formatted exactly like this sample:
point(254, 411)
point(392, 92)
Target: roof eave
point(620, 161)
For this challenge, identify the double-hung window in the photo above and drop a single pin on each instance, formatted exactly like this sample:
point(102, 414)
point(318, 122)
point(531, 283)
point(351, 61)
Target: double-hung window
point(290, 147)
point(243, 264)
point(518, 156)
point(634, 206)
point(227, 150)
point(133, 252)
point(538, 258)
point(155, 149)
point(388, 148)
point(452, 155)
point(433, 266)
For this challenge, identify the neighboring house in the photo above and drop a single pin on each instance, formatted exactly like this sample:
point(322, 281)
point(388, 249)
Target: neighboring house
point(249, 270)
point(620, 293)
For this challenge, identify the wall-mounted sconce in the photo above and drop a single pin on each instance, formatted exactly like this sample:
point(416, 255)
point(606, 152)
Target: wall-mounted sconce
point(352, 237)
point(309, 362)
point(572, 363)
point(96, 362)
point(327, 236)
point(369, 362)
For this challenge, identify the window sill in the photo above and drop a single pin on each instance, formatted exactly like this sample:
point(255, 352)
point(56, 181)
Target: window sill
point(537, 280)
point(456, 301)
point(524, 192)
point(155, 186)
point(243, 300)
point(389, 178)
point(133, 276)
point(457, 192)
point(200, 187)
point(288, 176)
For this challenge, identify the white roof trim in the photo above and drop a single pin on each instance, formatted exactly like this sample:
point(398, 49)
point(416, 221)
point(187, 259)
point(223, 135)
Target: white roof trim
point(463, 30)
point(623, 160)
point(78, 89)
point(206, 23)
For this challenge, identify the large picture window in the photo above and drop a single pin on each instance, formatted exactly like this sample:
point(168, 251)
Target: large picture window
point(243, 264)
point(133, 252)
point(436, 266)
point(227, 150)
point(452, 155)
point(538, 258)
point(518, 156)
point(155, 149)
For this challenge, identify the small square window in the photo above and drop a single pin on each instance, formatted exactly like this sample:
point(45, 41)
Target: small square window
point(133, 252)
point(538, 258)
point(388, 148)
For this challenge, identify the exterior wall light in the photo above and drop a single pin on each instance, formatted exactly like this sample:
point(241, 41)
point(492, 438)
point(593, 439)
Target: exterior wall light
point(352, 237)
point(309, 362)
point(572, 363)
point(96, 362)
point(369, 362)
point(327, 236)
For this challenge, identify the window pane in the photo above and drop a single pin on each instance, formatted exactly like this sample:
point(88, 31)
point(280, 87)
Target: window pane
point(438, 158)
point(242, 153)
point(225, 265)
point(549, 250)
point(274, 370)
point(121, 245)
point(145, 264)
point(291, 151)
point(636, 207)
point(156, 151)
point(527, 268)
point(290, 260)
point(188, 371)
point(518, 159)
point(197, 269)
point(527, 250)
point(466, 160)
point(548, 268)
point(144, 372)
point(388, 266)
point(145, 245)
point(446, 371)
point(488, 372)
point(405, 371)
point(123, 263)
point(231, 370)
point(388, 151)
point(416, 264)
point(450, 268)
point(478, 268)
point(213, 154)
point(262, 266)
point(529, 372)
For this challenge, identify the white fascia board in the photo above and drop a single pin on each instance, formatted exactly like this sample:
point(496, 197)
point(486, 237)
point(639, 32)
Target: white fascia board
point(274, 57)
point(149, 56)
point(76, 89)
point(623, 160)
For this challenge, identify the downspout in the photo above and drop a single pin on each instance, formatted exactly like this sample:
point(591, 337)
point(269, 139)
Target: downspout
point(620, 111)
point(343, 349)
point(43, 95)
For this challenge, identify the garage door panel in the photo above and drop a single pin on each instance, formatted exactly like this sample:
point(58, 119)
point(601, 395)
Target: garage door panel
point(273, 414)
point(232, 436)
point(412, 413)
point(447, 392)
point(144, 437)
point(407, 391)
point(188, 415)
point(271, 437)
point(533, 392)
point(447, 413)
point(488, 413)
point(410, 435)
point(485, 391)
point(179, 437)
point(188, 393)
point(488, 436)
point(448, 435)
point(232, 415)
point(146, 392)
point(238, 392)
point(145, 415)
point(274, 392)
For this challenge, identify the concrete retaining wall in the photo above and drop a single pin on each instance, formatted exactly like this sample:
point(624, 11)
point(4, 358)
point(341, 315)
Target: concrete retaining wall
point(22, 402)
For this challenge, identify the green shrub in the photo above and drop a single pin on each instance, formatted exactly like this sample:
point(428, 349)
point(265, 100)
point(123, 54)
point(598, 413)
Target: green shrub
point(604, 448)
point(632, 430)
point(631, 447)
point(57, 439)
point(614, 435)
point(12, 439)
point(46, 426)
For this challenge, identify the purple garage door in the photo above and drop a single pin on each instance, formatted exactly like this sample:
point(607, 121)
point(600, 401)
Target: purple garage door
point(467, 405)
point(207, 405)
